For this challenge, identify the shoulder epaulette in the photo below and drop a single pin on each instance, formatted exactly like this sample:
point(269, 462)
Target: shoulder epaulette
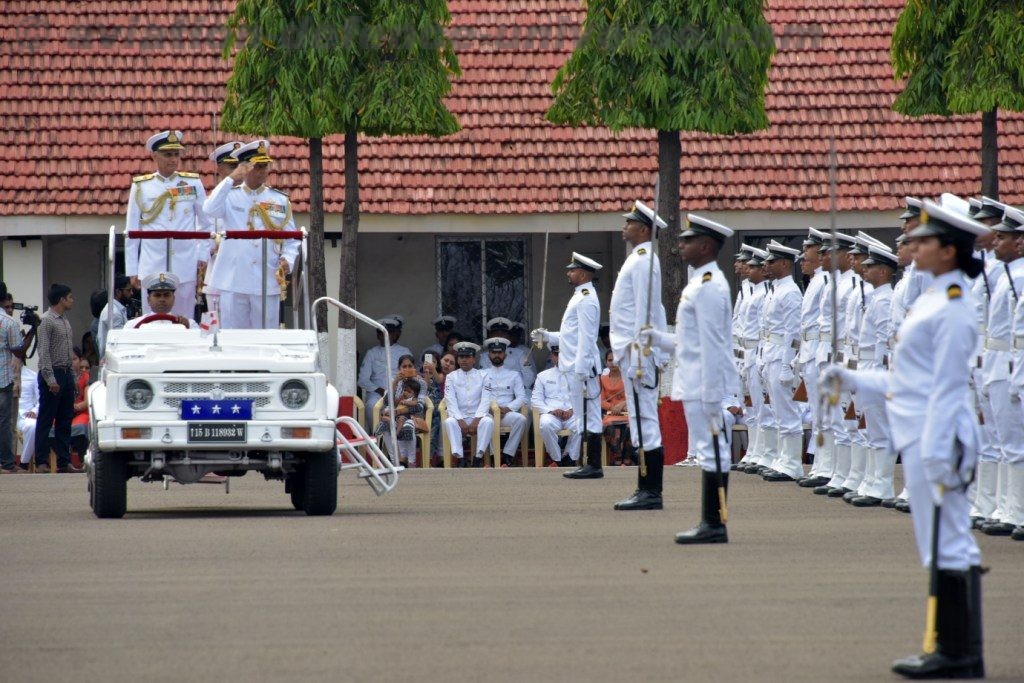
point(187, 174)
point(706, 278)
point(954, 292)
point(584, 292)
point(277, 190)
point(140, 178)
point(641, 252)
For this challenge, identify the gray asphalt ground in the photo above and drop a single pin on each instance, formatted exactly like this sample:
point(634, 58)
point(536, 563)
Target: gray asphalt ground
point(507, 575)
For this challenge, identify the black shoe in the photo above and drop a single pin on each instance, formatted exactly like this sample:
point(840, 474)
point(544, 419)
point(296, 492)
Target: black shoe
point(995, 528)
point(936, 665)
point(585, 472)
point(902, 506)
point(1018, 533)
point(507, 460)
point(763, 470)
point(703, 533)
point(977, 522)
point(849, 496)
point(812, 482)
point(478, 461)
point(838, 492)
point(641, 500)
point(822, 490)
point(889, 503)
point(735, 467)
point(778, 476)
point(866, 502)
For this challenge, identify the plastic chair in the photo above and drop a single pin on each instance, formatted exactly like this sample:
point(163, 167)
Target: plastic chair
point(538, 441)
point(446, 447)
point(424, 438)
point(499, 430)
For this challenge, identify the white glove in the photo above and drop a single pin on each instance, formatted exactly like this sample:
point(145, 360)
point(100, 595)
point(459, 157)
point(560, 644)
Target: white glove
point(713, 414)
point(1015, 392)
point(787, 376)
point(539, 336)
point(835, 378)
point(648, 336)
point(581, 378)
point(940, 477)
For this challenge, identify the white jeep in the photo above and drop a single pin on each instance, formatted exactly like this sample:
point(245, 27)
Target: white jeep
point(174, 404)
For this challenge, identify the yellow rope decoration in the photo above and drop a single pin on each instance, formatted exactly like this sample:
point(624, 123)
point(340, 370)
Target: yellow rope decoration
point(147, 216)
point(258, 209)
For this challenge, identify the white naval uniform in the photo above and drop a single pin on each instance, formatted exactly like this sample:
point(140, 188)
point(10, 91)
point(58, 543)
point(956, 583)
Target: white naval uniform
point(375, 374)
point(759, 417)
point(1016, 507)
point(997, 367)
point(781, 330)
point(933, 425)
point(872, 351)
point(627, 314)
point(238, 274)
point(551, 392)
point(984, 489)
point(28, 402)
point(465, 399)
point(119, 319)
point(704, 369)
point(505, 387)
point(914, 282)
point(807, 362)
point(578, 355)
point(183, 198)
point(743, 292)
point(856, 307)
point(518, 358)
point(833, 419)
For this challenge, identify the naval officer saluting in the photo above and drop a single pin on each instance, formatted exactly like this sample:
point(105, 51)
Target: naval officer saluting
point(704, 372)
point(242, 201)
point(580, 361)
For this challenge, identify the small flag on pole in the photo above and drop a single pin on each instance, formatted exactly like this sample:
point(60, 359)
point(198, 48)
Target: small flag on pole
point(209, 324)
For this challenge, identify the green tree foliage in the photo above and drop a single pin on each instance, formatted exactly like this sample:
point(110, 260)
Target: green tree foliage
point(670, 65)
point(315, 68)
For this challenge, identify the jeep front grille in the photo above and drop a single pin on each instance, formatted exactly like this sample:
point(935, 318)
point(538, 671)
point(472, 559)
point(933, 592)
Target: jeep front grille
point(258, 392)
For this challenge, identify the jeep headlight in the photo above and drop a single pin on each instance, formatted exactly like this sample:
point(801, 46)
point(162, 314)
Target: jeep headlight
point(138, 394)
point(294, 394)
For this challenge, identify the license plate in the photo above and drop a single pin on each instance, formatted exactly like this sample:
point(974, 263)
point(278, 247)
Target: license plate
point(216, 432)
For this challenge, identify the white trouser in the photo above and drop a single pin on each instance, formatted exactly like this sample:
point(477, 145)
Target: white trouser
point(809, 372)
point(787, 411)
point(184, 301)
point(245, 311)
point(483, 435)
point(836, 422)
point(27, 427)
point(701, 442)
point(766, 415)
point(648, 399)
point(880, 485)
point(407, 450)
point(549, 428)
point(985, 477)
point(957, 547)
point(1015, 494)
point(515, 422)
point(990, 450)
point(593, 402)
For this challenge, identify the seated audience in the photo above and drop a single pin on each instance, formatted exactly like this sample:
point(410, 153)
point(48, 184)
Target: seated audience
point(615, 414)
point(374, 374)
point(410, 403)
point(552, 400)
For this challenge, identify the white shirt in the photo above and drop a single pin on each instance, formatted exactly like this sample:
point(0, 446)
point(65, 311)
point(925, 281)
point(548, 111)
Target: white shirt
point(781, 322)
point(119, 319)
point(464, 394)
point(844, 283)
point(577, 335)
point(996, 362)
point(239, 262)
point(505, 387)
point(810, 314)
point(704, 369)
point(628, 307)
point(551, 391)
point(173, 203)
point(374, 372)
point(876, 328)
point(517, 358)
point(28, 402)
point(856, 307)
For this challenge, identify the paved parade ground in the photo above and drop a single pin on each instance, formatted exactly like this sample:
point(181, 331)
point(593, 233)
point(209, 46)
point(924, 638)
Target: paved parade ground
point(468, 575)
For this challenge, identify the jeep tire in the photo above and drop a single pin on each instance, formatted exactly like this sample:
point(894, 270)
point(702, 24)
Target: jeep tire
point(297, 488)
point(109, 485)
point(320, 475)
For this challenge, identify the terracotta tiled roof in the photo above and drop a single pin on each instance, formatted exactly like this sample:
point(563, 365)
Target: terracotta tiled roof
point(85, 83)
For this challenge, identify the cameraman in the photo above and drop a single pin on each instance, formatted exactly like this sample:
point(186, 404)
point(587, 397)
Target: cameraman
point(10, 367)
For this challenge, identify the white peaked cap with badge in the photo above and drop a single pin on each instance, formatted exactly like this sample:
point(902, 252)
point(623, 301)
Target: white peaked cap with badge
point(699, 225)
point(255, 152)
point(168, 139)
point(644, 214)
point(499, 322)
point(1014, 218)
point(776, 251)
point(580, 261)
point(496, 344)
point(938, 220)
point(222, 155)
point(880, 256)
point(161, 282)
point(466, 348)
point(951, 201)
point(391, 321)
point(445, 320)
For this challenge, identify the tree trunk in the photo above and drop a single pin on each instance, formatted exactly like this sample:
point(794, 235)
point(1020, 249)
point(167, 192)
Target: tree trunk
point(346, 349)
point(672, 272)
point(316, 265)
point(349, 227)
point(989, 154)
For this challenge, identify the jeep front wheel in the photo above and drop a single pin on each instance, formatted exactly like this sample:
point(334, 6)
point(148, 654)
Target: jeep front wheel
point(321, 483)
point(109, 485)
point(297, 488)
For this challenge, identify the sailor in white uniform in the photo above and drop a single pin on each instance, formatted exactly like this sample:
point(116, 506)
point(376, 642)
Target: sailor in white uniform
point(226, 165)
point(244, 268)
point(807, 358)
point(468, 406)
point(173, 200)
point(1016, 482)
point(504, 387)
point(161, 290)
point(375, 376)
point(635, 304)
point(552, 399)
point(443, 326)
point(704, 368)
point(579, 359)
point(936, 431)
point(518, 358)
point(758, 417)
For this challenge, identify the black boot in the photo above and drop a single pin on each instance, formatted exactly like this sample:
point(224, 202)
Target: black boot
point(711, 529)
point(648, 493)
point(975, 641)
point(952, 657)
point(591, 469)
point(507, 460)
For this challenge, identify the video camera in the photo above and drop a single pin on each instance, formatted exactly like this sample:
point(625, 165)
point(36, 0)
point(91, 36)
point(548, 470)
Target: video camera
point(29, 316)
